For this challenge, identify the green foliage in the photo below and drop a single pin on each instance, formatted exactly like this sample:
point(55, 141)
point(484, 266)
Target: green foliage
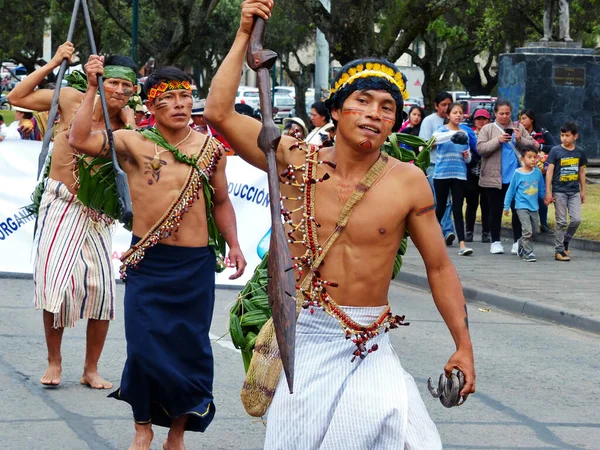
point(250, 312)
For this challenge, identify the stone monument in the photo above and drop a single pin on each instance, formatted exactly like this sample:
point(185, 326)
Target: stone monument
point(560, 81)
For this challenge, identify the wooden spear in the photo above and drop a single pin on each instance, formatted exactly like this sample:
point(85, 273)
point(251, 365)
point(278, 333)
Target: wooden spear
point(281, 286)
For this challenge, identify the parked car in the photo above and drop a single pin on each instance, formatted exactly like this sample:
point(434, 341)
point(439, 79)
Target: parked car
point(285, 90)
point(248, 96)
point(472, 104)
point(282, 105)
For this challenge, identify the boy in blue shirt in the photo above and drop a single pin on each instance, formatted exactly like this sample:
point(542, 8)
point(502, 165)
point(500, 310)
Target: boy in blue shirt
point(526, 186)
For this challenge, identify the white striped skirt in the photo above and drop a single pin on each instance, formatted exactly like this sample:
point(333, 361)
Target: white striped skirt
point(368, 404)
point(73, 273)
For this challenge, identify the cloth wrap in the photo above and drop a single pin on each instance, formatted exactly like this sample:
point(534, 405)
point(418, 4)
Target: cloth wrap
point(169, 301)
point(72, 272)
point(337, 404)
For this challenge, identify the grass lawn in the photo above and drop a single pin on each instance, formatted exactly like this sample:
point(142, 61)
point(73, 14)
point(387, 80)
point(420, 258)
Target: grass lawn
point(590, 212)
point(9, 117)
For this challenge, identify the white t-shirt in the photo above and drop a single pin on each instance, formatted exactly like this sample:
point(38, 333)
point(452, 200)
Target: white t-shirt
point(314, 136)
point(429, 126)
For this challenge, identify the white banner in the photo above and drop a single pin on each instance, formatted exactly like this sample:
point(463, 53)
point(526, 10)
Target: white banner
point(248, 192)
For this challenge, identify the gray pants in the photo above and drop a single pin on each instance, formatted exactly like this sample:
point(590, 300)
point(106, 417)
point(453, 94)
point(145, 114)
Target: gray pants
point(563, 202)
point(529, 226)
point(563, 18)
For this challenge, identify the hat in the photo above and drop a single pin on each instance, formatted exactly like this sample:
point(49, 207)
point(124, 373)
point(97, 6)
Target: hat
point(297, 121)
point(23, 110)
point(141, 108)
point(482, 113)
point(198, 107)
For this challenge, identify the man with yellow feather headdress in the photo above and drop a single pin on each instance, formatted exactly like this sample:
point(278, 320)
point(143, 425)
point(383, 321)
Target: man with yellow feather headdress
point(346, 210)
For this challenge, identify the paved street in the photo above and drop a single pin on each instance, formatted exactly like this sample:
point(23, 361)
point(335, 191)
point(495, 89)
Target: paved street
point(537, 382)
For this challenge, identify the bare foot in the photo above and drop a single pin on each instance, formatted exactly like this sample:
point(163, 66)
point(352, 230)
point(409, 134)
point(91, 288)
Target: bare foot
point(95, 381)
point(52, 375)
point(173, 446)
point(143, 437)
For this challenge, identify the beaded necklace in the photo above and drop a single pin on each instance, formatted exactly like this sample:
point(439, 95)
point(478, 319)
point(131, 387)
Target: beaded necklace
point(313, 290)
point(170, 222)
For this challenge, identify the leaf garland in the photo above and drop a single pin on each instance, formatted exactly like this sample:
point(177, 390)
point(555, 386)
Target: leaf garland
point(215, 239)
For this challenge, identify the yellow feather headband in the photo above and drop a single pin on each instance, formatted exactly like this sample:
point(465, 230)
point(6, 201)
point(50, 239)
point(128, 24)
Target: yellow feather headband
point(371, 70)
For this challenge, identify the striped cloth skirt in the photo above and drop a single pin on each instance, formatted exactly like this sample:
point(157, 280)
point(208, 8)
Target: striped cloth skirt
point(73, 273)
point(368, 404)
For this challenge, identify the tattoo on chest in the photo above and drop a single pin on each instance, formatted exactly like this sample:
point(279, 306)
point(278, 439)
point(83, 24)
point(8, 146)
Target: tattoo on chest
point(151, 167)
point(345, 190)
point(425, 210)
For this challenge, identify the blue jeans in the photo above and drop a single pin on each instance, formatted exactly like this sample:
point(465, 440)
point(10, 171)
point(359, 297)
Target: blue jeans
point(446, 223)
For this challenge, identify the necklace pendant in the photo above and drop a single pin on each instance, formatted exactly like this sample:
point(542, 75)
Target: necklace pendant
point(155, 163)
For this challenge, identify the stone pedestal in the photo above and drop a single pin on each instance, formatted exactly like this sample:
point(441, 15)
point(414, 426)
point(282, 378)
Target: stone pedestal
point(561, 82)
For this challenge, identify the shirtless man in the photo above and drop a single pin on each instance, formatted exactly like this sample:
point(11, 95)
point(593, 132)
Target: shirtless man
point(170, 267)
point(73, 272)
point(371, 402)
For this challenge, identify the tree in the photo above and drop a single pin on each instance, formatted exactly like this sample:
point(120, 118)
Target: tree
point(289, 31)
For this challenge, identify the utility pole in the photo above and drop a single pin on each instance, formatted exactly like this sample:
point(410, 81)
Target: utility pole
point(322, 60)
point(47, 44)
point(134, 29)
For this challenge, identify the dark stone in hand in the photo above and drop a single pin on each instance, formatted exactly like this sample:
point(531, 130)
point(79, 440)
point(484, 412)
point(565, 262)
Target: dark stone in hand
point(460, 137)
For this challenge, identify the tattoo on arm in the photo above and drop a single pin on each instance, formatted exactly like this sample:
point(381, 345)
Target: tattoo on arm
point(105, 147)
point(425, 210)
point(466, 317)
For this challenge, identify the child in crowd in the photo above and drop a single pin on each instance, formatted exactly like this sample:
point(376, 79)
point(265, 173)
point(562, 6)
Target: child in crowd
point(450, 173)
point(526, 186)
point(565, 186)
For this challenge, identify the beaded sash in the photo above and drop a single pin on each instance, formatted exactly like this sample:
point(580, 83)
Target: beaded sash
point(171, 219)
point(313, 291)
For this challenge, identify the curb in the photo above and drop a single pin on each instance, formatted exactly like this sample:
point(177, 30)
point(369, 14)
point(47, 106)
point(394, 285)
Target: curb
point(515, 305)
point(548, 239)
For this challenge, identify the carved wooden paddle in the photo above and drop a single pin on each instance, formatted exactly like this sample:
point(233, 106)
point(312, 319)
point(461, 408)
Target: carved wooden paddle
point(281, 287)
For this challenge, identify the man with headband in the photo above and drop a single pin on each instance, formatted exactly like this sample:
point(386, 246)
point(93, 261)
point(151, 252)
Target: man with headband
point(73, 271)
point(349, 207)
point(182, 216)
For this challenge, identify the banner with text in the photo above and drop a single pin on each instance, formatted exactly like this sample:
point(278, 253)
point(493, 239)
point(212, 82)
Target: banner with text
point(248, 192)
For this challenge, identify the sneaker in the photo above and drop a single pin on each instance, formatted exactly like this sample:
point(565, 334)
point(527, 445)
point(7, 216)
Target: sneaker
point(496, 248)
point(562, 256)
point(469, 236)
point(529, 258)
point(515, 248)
point(486, 237)
point(465, 251)
point(449, 238)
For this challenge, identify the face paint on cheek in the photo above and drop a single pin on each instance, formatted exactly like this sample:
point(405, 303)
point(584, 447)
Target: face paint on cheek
point(349, 111)
point(160, 104)
point(391, 120)
point(127, 92)
point(366, 144)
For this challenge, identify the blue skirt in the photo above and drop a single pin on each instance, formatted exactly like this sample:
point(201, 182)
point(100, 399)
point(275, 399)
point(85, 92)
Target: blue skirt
point(169, 302)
